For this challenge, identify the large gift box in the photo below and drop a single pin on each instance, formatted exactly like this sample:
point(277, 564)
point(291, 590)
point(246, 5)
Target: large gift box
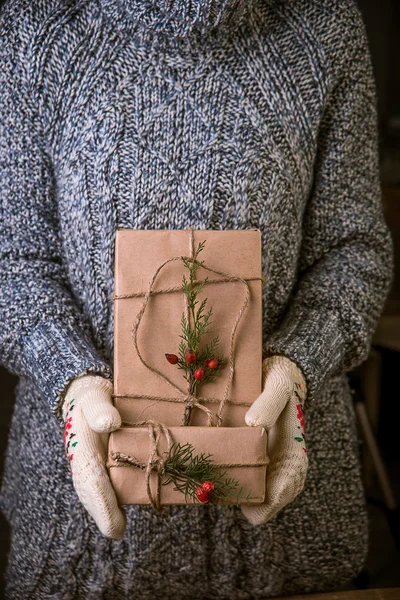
point(168, 412)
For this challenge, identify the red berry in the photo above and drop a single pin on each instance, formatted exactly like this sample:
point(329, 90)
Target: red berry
point(191, 357)
point(199, 373)
point(205, 363)
point(172, 358)
point(208, 486)
point(213, 363)
point(201, 494)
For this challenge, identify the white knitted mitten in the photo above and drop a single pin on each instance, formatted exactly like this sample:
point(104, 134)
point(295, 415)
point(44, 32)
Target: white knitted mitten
point(89, 417)
point(279, 409)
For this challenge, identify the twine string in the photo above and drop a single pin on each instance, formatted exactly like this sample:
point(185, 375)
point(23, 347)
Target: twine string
point(178, 288)
point(187, 397)
point(155, 461)
point(179, 400)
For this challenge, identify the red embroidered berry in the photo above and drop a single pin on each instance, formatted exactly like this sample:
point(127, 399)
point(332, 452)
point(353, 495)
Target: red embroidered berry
point(172, 358)
point(71, 457)
point(201, 494)
point(208, 486)
point(300, 415)
point(199, 373)
point(213, 363)
point(191, 357)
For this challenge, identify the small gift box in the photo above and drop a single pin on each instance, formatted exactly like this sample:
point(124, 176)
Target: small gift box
point(238, 454)
point(179, 397)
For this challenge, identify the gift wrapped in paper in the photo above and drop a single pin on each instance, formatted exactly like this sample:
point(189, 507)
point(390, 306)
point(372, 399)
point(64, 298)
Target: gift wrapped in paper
point(153, 396)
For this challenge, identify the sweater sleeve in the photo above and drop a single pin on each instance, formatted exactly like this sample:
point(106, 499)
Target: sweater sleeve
point(43, 335)
point(345, 267)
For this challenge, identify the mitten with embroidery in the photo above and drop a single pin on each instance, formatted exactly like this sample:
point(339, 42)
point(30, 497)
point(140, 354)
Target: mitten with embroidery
point(89, 417)
point(279, 409)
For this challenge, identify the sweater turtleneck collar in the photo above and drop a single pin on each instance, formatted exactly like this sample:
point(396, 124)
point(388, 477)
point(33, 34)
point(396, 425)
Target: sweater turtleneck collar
point(175, 19)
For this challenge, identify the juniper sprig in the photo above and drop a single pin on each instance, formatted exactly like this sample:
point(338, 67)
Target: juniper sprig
point(194, 326)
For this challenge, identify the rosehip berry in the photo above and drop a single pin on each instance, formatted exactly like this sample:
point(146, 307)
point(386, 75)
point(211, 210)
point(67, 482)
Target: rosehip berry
point(172, 358)
point(199, 373)
point(213, 363)
point(201, 494)
point(191, 357)
point(208, 486)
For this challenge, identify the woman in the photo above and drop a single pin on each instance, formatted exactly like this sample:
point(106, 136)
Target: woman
point(216, 114)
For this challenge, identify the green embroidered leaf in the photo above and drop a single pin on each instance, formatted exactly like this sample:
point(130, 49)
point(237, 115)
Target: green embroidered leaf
point(298, 439)
point(74, 444)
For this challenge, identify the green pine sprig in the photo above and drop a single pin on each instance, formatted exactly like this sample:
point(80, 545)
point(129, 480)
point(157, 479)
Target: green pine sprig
point(193, 329)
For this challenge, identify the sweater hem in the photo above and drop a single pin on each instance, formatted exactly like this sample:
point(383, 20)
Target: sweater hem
point(54, 355)
point(313, 340)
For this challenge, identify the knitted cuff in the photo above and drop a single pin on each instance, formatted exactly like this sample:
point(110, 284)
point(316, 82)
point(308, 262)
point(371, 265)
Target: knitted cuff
point(286, 366)
point(96, 385)
point(55, 354)
point(313, 340)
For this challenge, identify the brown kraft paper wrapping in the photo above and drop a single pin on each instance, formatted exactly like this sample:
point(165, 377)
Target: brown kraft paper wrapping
point(245, 445)
point(138, 255)
point(140, 394)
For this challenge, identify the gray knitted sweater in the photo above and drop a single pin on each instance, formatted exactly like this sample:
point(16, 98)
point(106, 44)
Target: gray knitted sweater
point(215, 114)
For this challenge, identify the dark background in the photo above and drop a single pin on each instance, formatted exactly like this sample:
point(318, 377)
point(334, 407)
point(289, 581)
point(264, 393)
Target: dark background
point(382, 19)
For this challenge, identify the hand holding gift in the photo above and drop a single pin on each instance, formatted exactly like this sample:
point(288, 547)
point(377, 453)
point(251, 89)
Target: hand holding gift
point(89, 417)
point(279, 409)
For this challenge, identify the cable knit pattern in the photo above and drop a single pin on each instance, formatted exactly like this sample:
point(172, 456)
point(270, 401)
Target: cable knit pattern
point(120, 113)
point(147, 20)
